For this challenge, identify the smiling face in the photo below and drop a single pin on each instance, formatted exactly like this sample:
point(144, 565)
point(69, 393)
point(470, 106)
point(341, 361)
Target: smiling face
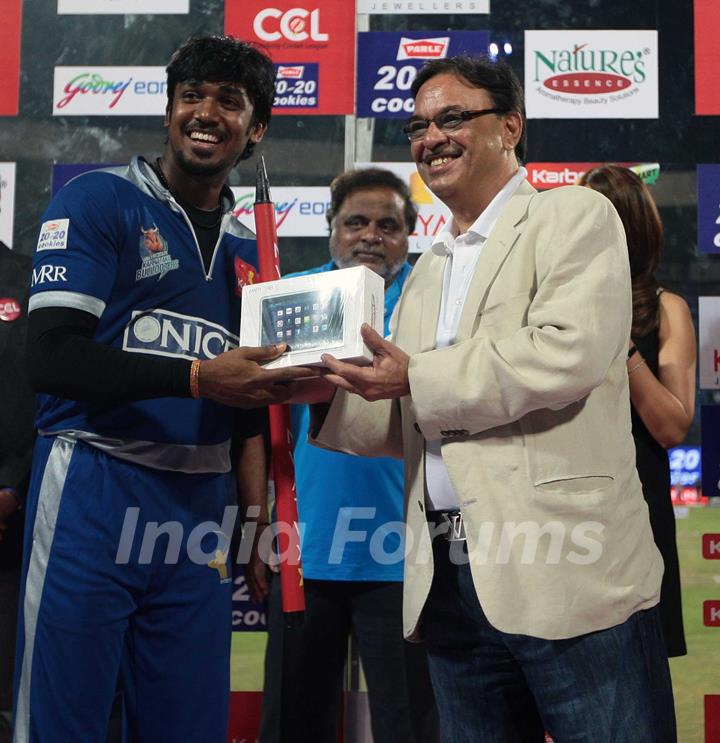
point(209, 125)
point(464, 168)
point(369, 229)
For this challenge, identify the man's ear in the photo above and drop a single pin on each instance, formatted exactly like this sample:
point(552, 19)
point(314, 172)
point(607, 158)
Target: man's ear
point(166, 118)
point(513, 129)
point(257, 132)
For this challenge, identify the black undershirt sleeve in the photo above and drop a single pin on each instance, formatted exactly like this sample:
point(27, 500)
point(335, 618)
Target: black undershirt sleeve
point(64, 360)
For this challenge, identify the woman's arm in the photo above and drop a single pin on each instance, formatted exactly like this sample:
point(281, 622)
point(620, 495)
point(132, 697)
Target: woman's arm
point(666, 403)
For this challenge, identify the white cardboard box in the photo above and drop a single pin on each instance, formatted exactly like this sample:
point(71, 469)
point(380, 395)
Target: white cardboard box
point(314, 314)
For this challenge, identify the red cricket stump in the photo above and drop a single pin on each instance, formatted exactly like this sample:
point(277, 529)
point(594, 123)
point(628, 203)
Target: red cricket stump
point(283, 468)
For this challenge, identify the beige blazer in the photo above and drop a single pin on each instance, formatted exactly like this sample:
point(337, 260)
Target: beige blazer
point(532, 406)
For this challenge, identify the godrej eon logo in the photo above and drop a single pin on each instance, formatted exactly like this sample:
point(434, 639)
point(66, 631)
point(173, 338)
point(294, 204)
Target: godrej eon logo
point(296, 25)
point(585, 70)
point(423, 48)
point(114, 91)
point(92, 82)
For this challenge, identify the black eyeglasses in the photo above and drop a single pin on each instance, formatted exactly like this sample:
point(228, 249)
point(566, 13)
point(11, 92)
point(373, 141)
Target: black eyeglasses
point(448, 121)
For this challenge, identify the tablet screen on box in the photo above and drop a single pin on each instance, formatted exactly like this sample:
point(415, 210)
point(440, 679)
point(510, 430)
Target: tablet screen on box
point(303, 320)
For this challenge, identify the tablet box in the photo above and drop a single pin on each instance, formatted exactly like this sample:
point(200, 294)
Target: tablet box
point(314, 314)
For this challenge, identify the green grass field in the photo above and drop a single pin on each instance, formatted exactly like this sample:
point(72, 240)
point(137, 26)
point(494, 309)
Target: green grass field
point(693, 676)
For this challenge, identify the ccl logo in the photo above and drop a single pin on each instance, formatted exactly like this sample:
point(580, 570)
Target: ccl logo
point(293, 25)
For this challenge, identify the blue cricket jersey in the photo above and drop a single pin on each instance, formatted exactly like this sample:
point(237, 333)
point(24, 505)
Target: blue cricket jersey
point(115, 243)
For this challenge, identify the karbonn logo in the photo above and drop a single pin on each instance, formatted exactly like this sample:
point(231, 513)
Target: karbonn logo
point(423, 48)
point(167, 333)
point(588, 71)
point(564, 177)
point(551, 175)
point(296, 24)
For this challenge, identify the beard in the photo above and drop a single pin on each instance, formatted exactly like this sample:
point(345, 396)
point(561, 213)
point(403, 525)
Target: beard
point(198, 167)
point(385, 270)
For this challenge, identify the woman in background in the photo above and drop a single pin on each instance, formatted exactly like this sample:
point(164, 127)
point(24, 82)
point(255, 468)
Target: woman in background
point(661, 368)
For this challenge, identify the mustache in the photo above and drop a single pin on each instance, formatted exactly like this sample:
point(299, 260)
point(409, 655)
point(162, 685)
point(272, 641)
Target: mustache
point(440, 153)
point(368, 250)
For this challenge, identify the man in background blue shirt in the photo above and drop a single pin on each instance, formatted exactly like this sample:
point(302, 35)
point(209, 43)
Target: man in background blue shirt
point(351, 515)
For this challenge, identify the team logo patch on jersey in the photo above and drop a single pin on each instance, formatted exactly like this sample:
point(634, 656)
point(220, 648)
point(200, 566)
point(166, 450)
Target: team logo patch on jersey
point(154, 254)
point(244, 274)
point(54, 235)
point(49, 273)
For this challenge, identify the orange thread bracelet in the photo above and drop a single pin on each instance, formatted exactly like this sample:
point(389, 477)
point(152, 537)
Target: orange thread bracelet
point(195, 379)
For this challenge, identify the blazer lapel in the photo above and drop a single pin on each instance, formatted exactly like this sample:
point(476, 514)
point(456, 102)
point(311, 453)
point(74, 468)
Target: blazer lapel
point(502, 238)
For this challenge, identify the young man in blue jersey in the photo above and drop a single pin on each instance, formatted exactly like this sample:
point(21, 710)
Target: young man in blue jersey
point(133, 328)
point(351, 511)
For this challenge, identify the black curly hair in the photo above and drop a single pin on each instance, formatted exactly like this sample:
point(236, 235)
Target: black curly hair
point(225, 59)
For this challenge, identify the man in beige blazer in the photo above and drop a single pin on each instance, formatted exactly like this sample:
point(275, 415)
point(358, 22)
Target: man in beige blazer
point(531, 569)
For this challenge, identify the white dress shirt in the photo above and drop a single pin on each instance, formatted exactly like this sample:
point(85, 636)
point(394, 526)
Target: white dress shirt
point(462, 253)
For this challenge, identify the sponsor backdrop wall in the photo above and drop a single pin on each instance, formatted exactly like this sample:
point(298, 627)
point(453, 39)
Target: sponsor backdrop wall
point(82, 83)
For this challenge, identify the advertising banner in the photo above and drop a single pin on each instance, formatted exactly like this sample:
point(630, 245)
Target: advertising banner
point(712, 717)
point(707, 60)
point(109, 91)
point(10, 57)
point(709, 349)
point(591, 74)
point(119, 7)
point(433, 215)
point(244, 718)
point(7, 202)
point(299, 211)
point(427, 7)
point(312, 46)
point(684, 466)
point(247, 615)
point(388, 62)
point(685, 476)
point(711, 613)
point(544, 176)
point(710, 436)
point(708, 208)
point(711, 549)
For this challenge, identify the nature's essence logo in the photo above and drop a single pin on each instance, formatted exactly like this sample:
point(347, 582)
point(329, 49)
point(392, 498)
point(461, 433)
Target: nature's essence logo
point(91, 82)
point(586, 71)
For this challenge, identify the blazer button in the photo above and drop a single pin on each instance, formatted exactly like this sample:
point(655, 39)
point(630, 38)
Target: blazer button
point(416, 427)
point(445, 433)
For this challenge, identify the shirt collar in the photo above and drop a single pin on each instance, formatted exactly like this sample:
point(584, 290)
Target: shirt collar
point(482, 227)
